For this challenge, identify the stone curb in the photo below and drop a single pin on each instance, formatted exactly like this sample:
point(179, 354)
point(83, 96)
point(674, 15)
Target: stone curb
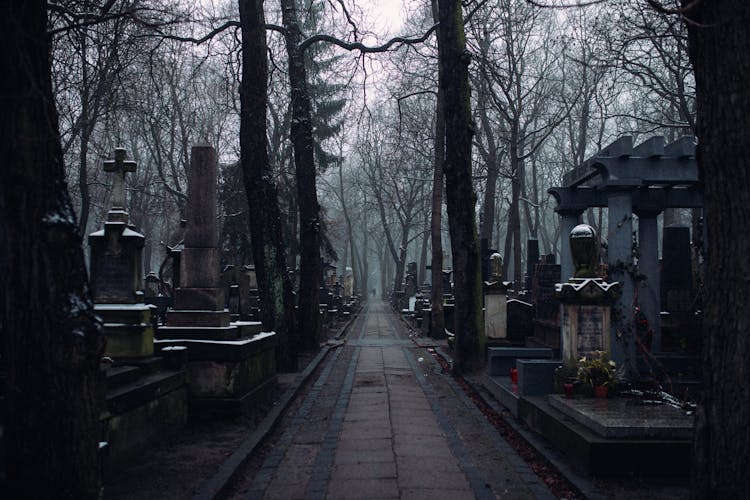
point(215, 486)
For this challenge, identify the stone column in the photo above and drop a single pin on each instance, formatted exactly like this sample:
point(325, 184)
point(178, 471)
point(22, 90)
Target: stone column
point(199, 301)
point(620, 260)
point(649, 293)
point(569, 220)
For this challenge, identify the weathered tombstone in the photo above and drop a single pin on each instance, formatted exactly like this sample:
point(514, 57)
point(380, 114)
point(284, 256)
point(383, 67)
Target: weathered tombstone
point(248, 293)
point(546, 276)
point(117, 273)
point(230, 364)
point(586, 300)
point(447, 284)
point(495, 311)
point(199, 300)
point(410, 285)
point(230, 278)
point(117, 284)
point(532, 258)
point(520, 320)
point(348, 284)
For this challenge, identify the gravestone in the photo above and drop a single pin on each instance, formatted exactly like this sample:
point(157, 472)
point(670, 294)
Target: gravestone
point(486, 252)
point(248, 293)
point(520, 320)
point(230, 283)
point(676, 272)
point(348, 284)
point(199, 300)
point(117, 273)
point(586, 300)
point(532, 258)
point(447, 285)
point(546, 276)
point(231, 365)
point(495, 297)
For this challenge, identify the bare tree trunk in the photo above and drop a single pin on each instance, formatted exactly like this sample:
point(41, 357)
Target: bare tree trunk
point(460, 196)
point(304, 162)
point(719, 46)
point(437, 320)
point(51, 341)
point(274, 286)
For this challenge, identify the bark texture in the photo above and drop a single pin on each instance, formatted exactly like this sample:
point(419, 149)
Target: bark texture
point(274, 285)
point(460, 196)
point(719, 45)
point(51, 341)
point(304, 163)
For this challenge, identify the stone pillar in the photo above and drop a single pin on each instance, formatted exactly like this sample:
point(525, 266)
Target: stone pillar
point(649, 293)
point(620, 260)
point(569, 220)
point(199, 301)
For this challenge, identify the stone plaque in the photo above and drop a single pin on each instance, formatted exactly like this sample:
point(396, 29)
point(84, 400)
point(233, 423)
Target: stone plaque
point(590, 329)
point(113, 277)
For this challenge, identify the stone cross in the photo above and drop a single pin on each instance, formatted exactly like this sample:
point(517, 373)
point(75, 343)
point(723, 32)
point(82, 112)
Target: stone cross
point(119, 166)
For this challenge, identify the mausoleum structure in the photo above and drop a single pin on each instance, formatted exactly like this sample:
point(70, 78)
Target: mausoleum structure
point(642, 180)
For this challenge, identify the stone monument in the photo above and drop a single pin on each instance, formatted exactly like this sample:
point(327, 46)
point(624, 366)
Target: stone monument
point(585, 300)
point(495, 308)
point(117, 273)
point(146, 397)
point(230, 364)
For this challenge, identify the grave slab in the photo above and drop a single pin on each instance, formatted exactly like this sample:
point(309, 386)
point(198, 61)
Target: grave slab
point(626, 417)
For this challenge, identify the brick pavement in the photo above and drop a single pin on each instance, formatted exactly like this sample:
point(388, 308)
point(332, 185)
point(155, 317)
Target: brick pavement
point(380, 423)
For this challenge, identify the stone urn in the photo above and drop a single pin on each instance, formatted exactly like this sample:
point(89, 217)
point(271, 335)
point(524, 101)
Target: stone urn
point(584, 246)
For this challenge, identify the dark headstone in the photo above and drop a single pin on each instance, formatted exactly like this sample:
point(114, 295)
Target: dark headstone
point(676, 272)
point(520, 320)
point(447, 287)
point(532, 258)
point(547, 306)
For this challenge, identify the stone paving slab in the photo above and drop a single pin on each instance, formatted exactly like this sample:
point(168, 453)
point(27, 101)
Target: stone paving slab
point(380, 430)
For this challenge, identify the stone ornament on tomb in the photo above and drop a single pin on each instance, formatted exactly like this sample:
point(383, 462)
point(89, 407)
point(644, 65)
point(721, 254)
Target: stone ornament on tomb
point(584, 246)
point(496, 267)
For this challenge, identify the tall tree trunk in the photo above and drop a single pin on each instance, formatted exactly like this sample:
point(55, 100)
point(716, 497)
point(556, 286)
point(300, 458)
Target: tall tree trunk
point(51, 341)
point(517, 176)
point(719, 46)
point(437, 319)
point(460, 196)
point(307, 196)
point(274, 286)
point(423, 251)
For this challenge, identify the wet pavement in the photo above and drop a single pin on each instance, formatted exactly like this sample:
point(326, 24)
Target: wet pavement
point(379, 419)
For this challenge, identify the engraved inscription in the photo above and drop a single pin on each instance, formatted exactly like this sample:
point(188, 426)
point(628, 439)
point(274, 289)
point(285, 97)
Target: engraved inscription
point(590, 330)
point(112, 277)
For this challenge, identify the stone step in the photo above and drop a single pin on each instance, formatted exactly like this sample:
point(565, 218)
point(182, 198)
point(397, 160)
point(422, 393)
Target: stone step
point(118, 376)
